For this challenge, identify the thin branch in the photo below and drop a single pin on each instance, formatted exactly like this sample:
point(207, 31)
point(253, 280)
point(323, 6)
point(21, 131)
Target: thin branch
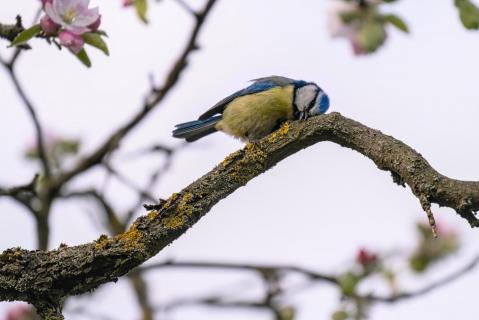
point(113, 224)
point(33, 115)
point(26, 188)
point(140, 286)
point(154, 177)
point(129, 183)
point(154, 97)
point(427, 289)
point(215, 302)
point(34, 276)
point(262, 269)
point(187, 7)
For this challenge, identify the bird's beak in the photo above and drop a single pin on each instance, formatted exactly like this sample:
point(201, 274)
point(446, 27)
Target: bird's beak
point(303, 115)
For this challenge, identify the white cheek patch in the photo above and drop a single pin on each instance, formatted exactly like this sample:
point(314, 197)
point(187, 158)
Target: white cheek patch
point(304, 96)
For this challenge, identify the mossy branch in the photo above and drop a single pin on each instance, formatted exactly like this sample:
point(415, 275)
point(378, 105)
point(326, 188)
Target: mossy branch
point(41, 277)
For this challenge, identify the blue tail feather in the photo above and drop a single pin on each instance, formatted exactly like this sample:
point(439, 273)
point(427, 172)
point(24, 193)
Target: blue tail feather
point(193, 130)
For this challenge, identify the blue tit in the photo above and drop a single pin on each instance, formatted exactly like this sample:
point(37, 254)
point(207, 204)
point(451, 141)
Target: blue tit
point(254, 112)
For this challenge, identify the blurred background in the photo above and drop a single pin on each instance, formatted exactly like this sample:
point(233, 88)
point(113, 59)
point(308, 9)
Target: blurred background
point(314, 210)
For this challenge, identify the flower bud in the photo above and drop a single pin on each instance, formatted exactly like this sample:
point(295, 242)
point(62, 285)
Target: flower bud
point(47, 24)
point(366, 258)
point(72, 41)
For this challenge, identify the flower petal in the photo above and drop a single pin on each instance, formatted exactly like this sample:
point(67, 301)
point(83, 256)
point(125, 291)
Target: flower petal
point(52, 13)
point(82, 4)
point(78, 30)
point(87, 18)
point(59, 6)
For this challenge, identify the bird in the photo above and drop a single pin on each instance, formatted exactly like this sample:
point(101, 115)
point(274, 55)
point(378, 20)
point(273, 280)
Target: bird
point(258, 110)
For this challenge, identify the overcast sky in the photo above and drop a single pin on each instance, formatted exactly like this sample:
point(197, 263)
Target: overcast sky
point(315, 208)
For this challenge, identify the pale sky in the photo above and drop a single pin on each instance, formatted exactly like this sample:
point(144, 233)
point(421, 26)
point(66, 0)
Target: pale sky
point(316, 208)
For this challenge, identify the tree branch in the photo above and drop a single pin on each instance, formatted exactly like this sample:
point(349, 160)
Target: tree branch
point(263, 269)
point(26, 188)
point(50, 276)
point(154, 97)
point(31, 110)
point(10, 31)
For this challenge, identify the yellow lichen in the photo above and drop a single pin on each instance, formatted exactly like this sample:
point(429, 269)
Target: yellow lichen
point(174, 222)
point(230, 158)
point(17, 253)
point(183, 213)
point(253, 161)
point(278, 134)
point(170, 201)
point(102, 242)
point(152, 215)
point(131, 239)
point(183, 207)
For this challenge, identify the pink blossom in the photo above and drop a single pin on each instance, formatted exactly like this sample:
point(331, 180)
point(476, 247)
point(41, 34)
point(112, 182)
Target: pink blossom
point(340, 29)
point(366, 258)
point(73, 15)
point(71, 40)
point(95, 25)
point(44, 2)
point(21, 312)
point(48, 25)
point(127, 3)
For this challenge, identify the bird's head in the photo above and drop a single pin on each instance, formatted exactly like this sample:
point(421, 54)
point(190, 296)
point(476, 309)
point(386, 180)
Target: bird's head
point(310, 100)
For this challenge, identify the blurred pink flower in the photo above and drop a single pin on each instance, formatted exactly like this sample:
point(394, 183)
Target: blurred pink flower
point(127, 3)
point(338, 28)
point(351, 30)
point(72, 41)
point(21, 312)
point(73, 15)
point(366, 258)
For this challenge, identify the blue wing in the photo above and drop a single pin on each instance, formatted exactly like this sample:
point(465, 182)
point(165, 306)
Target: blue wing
point(258, 85)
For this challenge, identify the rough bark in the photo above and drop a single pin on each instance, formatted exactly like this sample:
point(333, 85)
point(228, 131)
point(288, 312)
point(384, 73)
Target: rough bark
point(46, 277)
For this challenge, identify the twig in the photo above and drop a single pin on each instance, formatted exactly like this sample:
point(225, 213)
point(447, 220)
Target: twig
point(154, 178)
point(263, 269)
point(187, 7)
point(154, 97)
point(113, 224)
point(438, 284)
point(15, 191)
point(127, 182)
point(33, 115)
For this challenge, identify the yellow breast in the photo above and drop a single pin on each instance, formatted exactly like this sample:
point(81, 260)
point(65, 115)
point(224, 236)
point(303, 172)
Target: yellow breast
point(254, 116)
